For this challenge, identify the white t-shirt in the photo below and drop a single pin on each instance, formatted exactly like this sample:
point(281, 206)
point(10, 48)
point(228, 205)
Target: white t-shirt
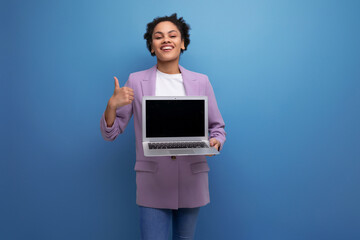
point(169, 84)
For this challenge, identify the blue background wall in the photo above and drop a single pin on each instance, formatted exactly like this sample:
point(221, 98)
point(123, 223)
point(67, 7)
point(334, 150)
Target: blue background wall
point(286, 76)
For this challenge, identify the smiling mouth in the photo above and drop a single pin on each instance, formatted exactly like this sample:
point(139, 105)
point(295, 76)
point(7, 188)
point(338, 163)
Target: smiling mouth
point(167, 48)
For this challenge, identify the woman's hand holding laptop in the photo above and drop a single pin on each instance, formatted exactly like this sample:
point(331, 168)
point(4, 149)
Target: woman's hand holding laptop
point(214, 143)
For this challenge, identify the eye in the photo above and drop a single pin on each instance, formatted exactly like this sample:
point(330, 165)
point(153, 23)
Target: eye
point(173, 36)
point(157, 37)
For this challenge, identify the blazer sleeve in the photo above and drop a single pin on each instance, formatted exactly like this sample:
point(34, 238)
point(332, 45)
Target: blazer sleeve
point(216, 122)
point(123, 115)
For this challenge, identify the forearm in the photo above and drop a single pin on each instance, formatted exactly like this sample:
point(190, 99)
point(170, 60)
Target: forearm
point(216, 122)
point(110, 114)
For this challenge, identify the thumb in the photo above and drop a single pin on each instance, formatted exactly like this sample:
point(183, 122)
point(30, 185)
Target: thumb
point(116, 82)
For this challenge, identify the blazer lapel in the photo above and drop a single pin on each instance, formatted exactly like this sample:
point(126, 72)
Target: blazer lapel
point(148, 82)
point(190, 82)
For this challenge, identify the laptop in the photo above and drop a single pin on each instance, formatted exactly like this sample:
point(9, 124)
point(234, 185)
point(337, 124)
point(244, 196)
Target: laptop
point(175, 126)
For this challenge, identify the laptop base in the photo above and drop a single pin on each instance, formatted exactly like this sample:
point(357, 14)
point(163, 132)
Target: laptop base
point(178, 151)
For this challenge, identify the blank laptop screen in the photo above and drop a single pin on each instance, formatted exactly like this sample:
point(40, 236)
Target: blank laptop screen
point(175, 118)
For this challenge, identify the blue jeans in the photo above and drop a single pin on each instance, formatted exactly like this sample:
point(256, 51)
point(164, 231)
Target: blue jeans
point(155, 223)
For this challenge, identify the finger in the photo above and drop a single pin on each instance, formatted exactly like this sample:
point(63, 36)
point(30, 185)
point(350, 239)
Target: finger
point(131, 93)
point(128, 89)
point(214, 143)
point(116, 82)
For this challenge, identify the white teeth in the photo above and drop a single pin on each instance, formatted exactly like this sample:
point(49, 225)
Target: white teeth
point(166, 48)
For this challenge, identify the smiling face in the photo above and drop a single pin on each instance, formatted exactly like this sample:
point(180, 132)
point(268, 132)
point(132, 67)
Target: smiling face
point(167, 42)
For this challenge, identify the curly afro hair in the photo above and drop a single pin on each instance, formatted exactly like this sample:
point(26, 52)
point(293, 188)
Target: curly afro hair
point(180, 23)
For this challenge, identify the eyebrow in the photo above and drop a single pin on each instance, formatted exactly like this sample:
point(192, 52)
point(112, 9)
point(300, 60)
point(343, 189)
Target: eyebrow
point(168, 32)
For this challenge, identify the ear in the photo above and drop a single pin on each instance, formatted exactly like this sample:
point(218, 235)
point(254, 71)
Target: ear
point(151, 48)
point(183, 44)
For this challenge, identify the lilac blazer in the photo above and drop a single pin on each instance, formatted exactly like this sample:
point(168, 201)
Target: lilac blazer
point(163, 182)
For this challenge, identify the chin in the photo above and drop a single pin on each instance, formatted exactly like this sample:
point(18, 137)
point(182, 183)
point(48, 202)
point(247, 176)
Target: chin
point(167, 59)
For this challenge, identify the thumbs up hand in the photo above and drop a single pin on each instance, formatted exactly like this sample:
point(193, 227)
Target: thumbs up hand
point(122, 95)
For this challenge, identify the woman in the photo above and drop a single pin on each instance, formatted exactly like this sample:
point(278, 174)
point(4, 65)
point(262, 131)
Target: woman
point(168, 188)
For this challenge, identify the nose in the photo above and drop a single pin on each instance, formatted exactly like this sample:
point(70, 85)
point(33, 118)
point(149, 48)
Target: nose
point(166, 39)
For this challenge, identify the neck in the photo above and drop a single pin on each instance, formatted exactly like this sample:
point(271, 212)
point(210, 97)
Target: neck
point(171, 67)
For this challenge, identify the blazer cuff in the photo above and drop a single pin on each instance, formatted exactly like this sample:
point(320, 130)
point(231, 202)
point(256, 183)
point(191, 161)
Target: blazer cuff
point(108, 133)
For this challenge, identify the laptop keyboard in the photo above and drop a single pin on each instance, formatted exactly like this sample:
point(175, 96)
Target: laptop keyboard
point(177, 145)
